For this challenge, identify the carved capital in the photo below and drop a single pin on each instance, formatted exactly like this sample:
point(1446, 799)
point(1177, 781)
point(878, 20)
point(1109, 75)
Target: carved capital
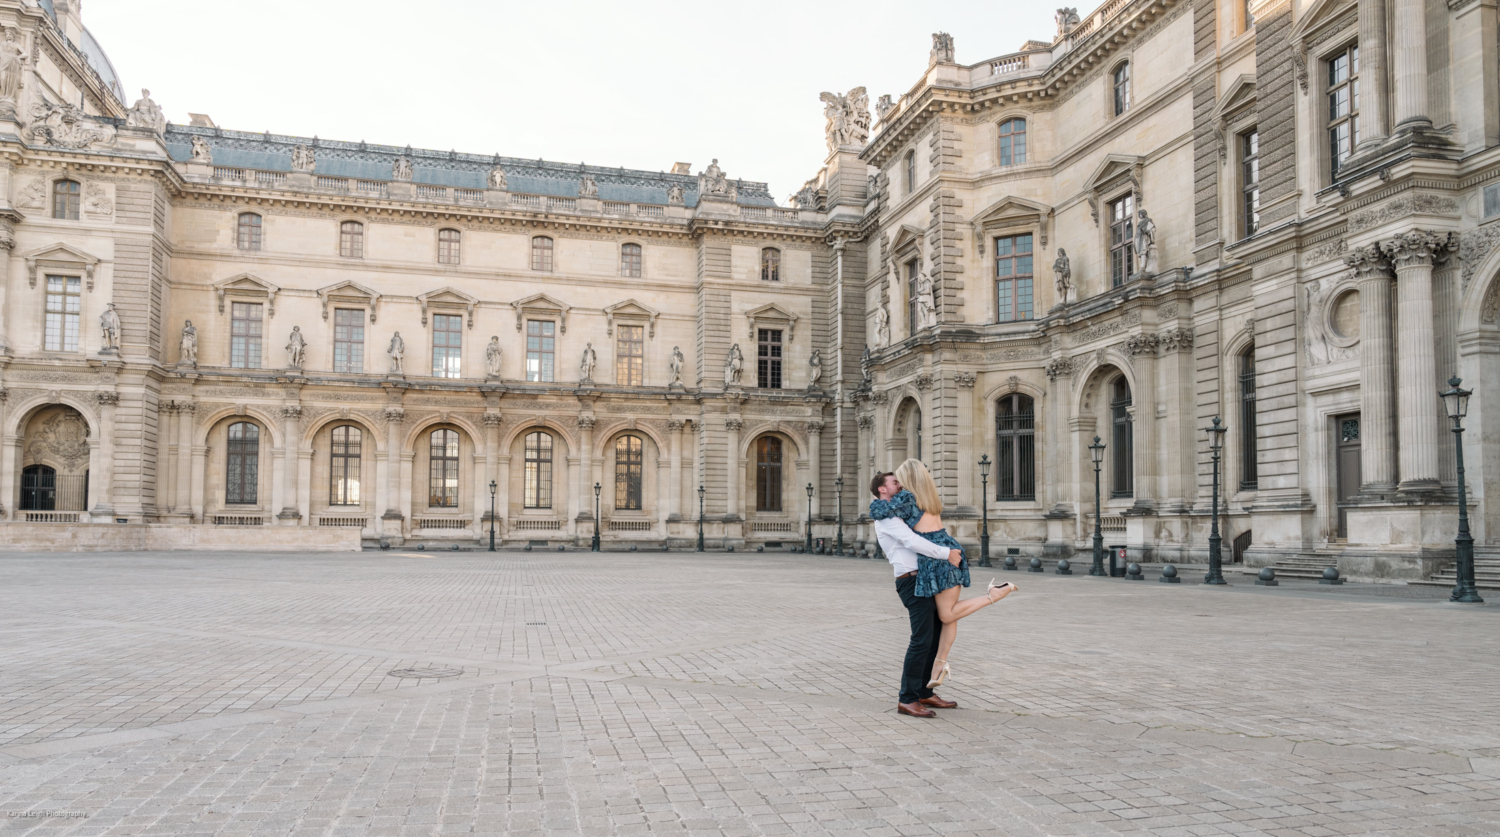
point(107, 399)
point(291, 412)
point(395, 415)
point(1176, 339)
point(1368, 263)
point(492, 419)
point(1141, 344)
point(1418, 248)
point(1059, 366)
point(880, 397)
point(965, 380)
point(815, 426)
point(924, 381)
point(733, 424)
point(866, 422)
point(675, 425)
point(585, 422)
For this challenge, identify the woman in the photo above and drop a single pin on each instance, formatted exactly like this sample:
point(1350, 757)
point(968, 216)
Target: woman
point(920, 506)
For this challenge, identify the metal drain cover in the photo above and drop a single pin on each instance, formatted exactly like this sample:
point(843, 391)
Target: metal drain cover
point(429, 673)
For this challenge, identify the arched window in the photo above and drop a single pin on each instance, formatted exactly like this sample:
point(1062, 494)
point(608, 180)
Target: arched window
point(541, 253)
point(343, 462)
point(242, 464)
point(630, 260)
point(768, 474)
point(911, 172)
point(448, 241)
point(1122, 478)
point(538, 478)
point(248, 237)
point(442, 472)
point(1122, 88)
point(65, 199)
point(1012, 142)
point(1248, 476)
point(352, 240)
point(770, 264)
point(629, 457)
point(1015, 460)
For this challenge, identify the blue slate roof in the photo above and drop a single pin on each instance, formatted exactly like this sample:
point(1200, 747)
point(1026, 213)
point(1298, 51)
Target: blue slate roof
point(367, 161)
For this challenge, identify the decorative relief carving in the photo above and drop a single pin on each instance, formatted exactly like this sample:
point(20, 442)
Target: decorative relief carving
point(1473, 246)
point(906, 369)
point(54, 377)
point(291, 412)
point(1167, 312)
point(733, 424)
point(880, 397)
point(107, 399)
point(395, 415)
point(1417, 248)
point(1331, 250)
point(1060, 366)
point(1175, 339)
point(96, 200)
point(965, 380)
point(675, 425)
point(1417, 204)
point(586, 422)
point(1141, 344)
point(866, 422)
point(1490, 308)
point(1097, 331)
point(233, 392)
point(66, 126)
point(33, 195)
point(923, 381)
point(63, 437)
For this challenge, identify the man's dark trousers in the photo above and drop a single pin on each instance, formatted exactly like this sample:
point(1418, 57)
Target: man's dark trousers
point(921, 653)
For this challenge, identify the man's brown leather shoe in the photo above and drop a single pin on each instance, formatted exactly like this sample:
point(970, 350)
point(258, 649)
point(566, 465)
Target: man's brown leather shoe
point(938, 703)
point(916, 710)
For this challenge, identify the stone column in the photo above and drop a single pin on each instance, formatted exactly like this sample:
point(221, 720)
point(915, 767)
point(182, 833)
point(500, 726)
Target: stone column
point(1372, 80)
point(968, 463)
point(392, 518)
point(675, 433)
point(167, 449)
point(502, 497)
point(1410, 64)
point(1377, 403)
point(733, 476)
point(1142, 348)
point(7, 243)
point(291, 416)
point(583, 488)
point(108, 403)
point(814, 469)
point(184, 504)
point(199, 482)
point(1057, 467)
point(1413, 255)
point(8, 462)
point(491, 473)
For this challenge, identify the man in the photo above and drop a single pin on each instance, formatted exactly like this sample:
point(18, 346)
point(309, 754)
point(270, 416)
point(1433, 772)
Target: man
point(902, 546)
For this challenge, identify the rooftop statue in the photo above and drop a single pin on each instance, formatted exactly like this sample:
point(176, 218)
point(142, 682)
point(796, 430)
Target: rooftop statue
point(303, 158)
point(145, 113)
point(848, 118)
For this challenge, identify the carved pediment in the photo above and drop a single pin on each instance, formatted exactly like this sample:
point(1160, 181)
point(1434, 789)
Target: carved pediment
point(543, 305)
point(1012, 210)
point(449, 298)
point(1316, 14)
point(771, 315)
point(247, 285)
point(1113, 173)
point(907, 236)
point(632, 310)
point(61, 256)
point(1239, 96)
point(349, 293)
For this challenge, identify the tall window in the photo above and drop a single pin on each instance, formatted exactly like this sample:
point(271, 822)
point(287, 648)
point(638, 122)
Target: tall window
point(1248, 475)
point(352, 240)
point(1122, 480)
point(628, 462)
point(348, 340)
point(447, 345)
point(1121, 240)
point(768, 359)
point(538, 471)
point(541, 253)
point(448, 241)
point(911, 172)
point(1122, 88)
point(540, 345)
point(242, 464)
point(768, 474)
point(62, 313)
point(343, 467)
point(1249, 15)
point(630, 355)
point(1250, 181)
point(65, 199)
point(770, 265)
point(244, 335)
point(1012, 142)
point(911, 297)
point(249, 231)
point(1015, 462)
point(442, 471)
point(1013, 278)
point(1343, 106)
point(630, 260)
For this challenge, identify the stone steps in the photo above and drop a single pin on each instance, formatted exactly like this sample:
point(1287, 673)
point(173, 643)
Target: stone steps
point(1486, 575)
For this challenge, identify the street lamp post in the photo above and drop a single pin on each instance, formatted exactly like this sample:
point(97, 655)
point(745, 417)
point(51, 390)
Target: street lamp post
point(807, 547)
point(493, 489)
point(1215, 542)
point(700, 518)
point(1096, 453)
point(984, 511)
point(1456, 400)
point(595, 546)
point(839, 484)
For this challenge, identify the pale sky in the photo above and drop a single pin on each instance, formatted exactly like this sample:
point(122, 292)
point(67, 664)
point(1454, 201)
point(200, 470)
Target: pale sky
point(638, 84)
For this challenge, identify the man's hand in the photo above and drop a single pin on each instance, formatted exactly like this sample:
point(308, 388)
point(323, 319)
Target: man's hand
point(955, 557)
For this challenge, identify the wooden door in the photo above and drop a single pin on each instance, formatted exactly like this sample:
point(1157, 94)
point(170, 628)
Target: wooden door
point(1346, 465)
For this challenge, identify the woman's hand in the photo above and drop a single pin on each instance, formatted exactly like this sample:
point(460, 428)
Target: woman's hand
point(955, 557)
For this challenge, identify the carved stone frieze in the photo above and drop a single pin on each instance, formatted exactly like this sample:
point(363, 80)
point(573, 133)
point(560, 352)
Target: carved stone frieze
point(1331, 250)
point(1417, 248)
point(1141, 344)
point(675, 425)
point(1416, 204)
point(1473, 246)
point(1175, 339)
point(1062, 366)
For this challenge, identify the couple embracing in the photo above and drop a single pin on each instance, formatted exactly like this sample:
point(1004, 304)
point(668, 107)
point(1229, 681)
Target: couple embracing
point(930, 567)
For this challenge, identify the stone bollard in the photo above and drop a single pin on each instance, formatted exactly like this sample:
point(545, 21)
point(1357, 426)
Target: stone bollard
point(1064, 568)
point(1036, 566)
point(1331, 576)
point(1010, 563)
point(1169, 575)
point(1133, 573)
point(1267, 578)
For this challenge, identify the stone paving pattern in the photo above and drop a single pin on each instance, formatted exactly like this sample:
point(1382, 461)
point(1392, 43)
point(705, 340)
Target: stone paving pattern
point(742, 694)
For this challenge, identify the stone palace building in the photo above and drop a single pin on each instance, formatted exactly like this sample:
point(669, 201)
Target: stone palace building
point(1282, 214)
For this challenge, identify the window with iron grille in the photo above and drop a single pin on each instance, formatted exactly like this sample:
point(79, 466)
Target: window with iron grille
point(1122, 88)
point(1343, 106)
point(538, 478)
point(1121, 240)
point(630, 355)
point(352, 240)
point(1012, 142)
point(244, 335)
point(448, 241)
point(447, 345)
point(348, 340)
point(629, 460)
point(770, 264)
point(630, 260)
point(1250, 182)
point(1013, 266)
point(540, 343)
point(541, 253)
point(343, 466)
point(768, 359)
point(63, 302)
point(242, 464)
point(65, 200)
point(1248, 468)
point(249, 231)
point(1015, 461)
point(768, 474)
point(1122, 483)
point(442, 474)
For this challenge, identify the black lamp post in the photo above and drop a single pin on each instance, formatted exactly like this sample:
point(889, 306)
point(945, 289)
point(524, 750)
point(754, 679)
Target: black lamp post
point(1456, 401)
point(1215, 542)
point(493, 488)
point(808, 545)
point(700, 518)
point(984, 511)
point(1096, 453)
point(595, 546)
point(839, 484)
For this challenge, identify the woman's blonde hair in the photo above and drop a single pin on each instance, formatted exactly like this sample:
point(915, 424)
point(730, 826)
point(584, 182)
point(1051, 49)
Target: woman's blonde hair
point(915, 477)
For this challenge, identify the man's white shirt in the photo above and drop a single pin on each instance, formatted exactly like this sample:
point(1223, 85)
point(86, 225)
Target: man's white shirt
point(902, 545)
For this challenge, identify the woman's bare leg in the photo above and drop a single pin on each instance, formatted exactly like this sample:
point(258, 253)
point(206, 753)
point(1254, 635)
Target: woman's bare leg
point(945, 600)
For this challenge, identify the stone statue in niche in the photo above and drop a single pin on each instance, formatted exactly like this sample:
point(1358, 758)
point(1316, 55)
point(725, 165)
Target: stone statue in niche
point(866, 367)
point(1145, 245)
point(676, 364)
point(187, 350)
point(296, 349)
point(848, 118)
point(397, 351)
point(109, 330)
point(814, 369)
point(882, 325)
point(497, 178)
point(586, 365)
point(13, 60)
point(401, 169)
point(200, 152)
point(587, 188)
point(926, 300)
point(1062, 275)
point(492, 358)
point(304, 158)
point(734, 365)
point(146, 113)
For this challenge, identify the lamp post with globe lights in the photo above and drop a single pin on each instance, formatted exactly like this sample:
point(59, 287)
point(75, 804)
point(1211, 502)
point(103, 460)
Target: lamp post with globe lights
point(1456, 401)
point(807, 544)
point(1215, 542)
point(700, 518)
point(493, 488)
point(1096, 453)
point(984, 511)
point(595, 545)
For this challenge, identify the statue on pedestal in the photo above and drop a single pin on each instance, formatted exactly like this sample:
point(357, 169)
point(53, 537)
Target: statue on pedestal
point(1062, 275)
point(296, 349)
point(492, 358)
point(109, 330)
point(1145, 244)
point(586, 365)
point(145, 113)
point(676, 364)
point(187, 351)
point(814, 369)
point(733, 366)
point(397, 351)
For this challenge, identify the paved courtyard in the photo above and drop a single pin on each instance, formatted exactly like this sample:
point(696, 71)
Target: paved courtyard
point(740, 694)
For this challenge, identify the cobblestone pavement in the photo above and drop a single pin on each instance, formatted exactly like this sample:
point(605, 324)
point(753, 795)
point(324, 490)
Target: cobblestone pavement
point(685, 694)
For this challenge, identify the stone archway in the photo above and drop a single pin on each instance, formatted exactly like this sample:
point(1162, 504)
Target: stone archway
point(54, 467)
